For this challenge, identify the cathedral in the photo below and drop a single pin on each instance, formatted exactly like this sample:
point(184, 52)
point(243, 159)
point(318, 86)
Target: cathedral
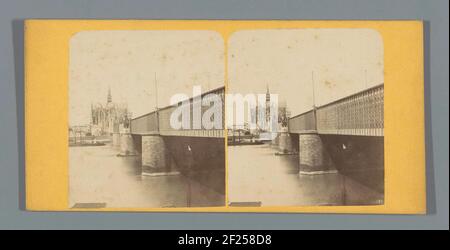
point(264, 118)
point(110, 118)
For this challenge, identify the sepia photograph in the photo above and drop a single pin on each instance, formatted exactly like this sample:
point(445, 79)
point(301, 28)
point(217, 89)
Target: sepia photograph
point(304, 118)
point(206, 115)
point(307, 127)
point(138, 100)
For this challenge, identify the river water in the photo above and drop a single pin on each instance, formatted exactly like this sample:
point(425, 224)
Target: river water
point(99, 178)
point(257, 176)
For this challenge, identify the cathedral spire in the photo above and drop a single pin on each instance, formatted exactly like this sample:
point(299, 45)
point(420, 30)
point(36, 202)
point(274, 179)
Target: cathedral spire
point(109, 95)
point(267, 106)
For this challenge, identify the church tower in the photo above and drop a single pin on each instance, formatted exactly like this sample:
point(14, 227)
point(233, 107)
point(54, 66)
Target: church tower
point(267, 109)
point(109, 95)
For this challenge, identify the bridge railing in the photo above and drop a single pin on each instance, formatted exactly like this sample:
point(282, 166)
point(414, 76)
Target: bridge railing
point(359, 114)
point(303, 123)
point(146, 124)
point(159, 123)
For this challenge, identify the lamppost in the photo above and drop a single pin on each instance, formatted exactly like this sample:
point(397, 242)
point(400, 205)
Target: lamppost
point(156, 105)
point(314, 100)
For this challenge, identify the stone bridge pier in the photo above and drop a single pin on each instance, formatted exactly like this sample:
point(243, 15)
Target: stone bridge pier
point(155, 155)
point(348, 154)
point(313, 155)
point(199, 158)
point(285, 142)
point(126, 144)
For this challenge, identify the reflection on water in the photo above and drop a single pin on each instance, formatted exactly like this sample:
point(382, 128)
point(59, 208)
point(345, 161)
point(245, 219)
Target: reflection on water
point(256, 175)
point(97, 175)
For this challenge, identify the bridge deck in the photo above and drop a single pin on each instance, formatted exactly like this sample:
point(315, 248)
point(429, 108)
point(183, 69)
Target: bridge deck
point(358, 114)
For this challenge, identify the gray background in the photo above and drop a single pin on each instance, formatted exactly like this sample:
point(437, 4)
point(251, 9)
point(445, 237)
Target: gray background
point(12, 14)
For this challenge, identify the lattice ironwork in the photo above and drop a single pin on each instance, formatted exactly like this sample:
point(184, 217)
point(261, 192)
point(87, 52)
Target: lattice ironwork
point(159, 122)
point(358, 114)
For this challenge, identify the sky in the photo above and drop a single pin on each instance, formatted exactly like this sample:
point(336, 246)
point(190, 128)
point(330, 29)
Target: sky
point(341, 62)
point(128, 62)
